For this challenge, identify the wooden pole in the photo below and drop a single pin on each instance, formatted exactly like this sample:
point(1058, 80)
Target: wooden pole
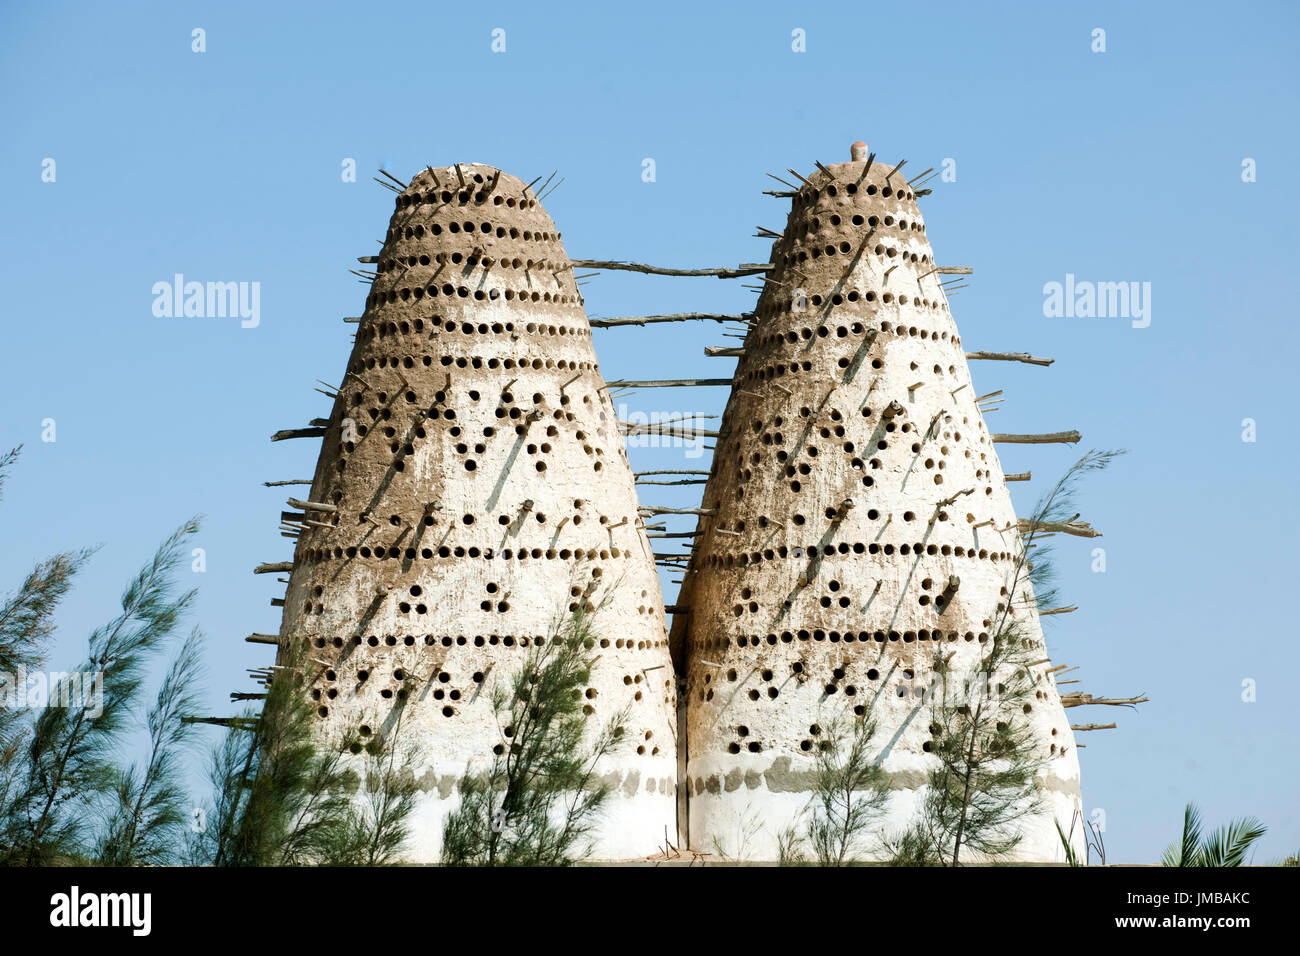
point(1084, 700)
point(1045, 438)
point(1010, 357)
point(866, 168)
point(637, 430)
point(313, 506)
point(678, 317)
point(237, 723)
point(669, 382)
point(744, 269)
point(551, 190)
point(298, 433)
point(1080, 529)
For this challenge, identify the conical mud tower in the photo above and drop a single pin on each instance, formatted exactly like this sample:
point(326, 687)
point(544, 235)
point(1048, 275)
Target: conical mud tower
point(862, 522)
point(472, 488)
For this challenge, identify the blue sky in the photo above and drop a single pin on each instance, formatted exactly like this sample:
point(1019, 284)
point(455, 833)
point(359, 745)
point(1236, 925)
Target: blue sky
point(1117, 166)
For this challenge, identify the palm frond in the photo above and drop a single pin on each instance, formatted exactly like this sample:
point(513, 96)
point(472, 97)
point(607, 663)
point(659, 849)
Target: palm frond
point(1229, 844)
point(1187, 851)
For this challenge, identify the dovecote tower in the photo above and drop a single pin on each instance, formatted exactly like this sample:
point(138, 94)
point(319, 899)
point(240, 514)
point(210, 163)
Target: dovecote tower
point(471, 489)
point(857, 520)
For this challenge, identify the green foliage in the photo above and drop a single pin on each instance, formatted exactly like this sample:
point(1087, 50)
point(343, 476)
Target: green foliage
point(790, 846)
point(1071, 856)
point(538, 801)
point(65, 768)
point(281, 797)
point(147, 820)
point(1093, 841)
point(375, 827)
point(26, 622)
point(262, 772)
point(1226, 846)
point(915, 847)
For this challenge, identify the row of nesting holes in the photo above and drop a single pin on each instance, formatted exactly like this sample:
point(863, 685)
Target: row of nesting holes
point(776, 370)
point(374, 330)
point(746, 558)
point(506, 554)
point(832, 190)
point(798, 248)
point(479, 640)
point(463, 196)
point(886, 328)
point(479, 295)
point(845, 248)
point(813, 227)
point(837, 298)
point(469, 228)
point(447, 361)
point(886, 298)
point(849, 637)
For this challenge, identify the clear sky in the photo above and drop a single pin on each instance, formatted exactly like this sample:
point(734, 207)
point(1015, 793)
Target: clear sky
point(1122, 166)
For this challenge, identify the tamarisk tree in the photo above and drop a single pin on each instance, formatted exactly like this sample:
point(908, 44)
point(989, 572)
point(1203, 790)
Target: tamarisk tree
point(283, 797)
point(59, 765)
point(148, 801)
